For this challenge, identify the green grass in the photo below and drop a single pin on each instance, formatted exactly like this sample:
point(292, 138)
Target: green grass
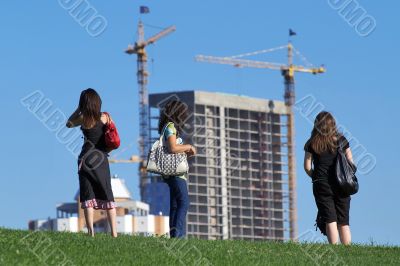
point(50, 248)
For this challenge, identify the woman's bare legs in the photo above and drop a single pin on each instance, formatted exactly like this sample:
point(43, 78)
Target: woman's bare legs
point(89, 220)
point(112, 214)
point(345, 234)
point(332, 233)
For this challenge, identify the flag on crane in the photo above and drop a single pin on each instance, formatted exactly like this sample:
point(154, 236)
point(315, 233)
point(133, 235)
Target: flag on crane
point(292, 33)
point(144, 10)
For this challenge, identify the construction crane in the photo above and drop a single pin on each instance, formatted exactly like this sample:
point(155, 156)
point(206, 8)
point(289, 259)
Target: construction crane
point(139, 48)
point(288, 71)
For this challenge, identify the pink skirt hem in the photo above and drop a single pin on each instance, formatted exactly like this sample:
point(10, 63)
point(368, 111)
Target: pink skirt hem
point(98, 204)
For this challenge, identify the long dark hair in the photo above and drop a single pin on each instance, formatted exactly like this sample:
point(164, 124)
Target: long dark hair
point(90, 107)
point(176, 112)
point(324, 136)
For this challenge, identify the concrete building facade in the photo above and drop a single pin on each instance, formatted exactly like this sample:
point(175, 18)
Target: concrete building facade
point(238, 182)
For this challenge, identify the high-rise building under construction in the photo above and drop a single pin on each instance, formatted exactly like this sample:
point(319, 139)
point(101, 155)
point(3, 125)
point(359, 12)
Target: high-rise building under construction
point(238, 181)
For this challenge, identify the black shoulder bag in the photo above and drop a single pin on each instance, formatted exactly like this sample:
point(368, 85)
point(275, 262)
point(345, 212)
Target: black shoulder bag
point(345, 173)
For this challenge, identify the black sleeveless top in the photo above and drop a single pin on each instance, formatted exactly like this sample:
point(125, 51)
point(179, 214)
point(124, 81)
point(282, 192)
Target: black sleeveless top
point(93, 138)
point(324, 164)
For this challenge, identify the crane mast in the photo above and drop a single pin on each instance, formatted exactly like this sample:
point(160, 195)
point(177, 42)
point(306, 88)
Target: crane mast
point(142, 79)
point(290, 98)
point(142, 75)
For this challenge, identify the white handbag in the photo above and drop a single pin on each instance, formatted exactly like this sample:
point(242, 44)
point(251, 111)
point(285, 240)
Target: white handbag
point(161, 161)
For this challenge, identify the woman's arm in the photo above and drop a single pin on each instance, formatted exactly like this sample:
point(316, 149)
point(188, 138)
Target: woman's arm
point(75, 119)
point(179, 148)
point(308, 164)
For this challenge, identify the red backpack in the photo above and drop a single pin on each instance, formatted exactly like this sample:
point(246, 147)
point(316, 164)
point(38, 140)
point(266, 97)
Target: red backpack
point(111, 135)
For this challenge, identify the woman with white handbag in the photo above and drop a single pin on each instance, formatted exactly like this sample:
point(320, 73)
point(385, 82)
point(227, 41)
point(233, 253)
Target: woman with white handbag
point(169, 158)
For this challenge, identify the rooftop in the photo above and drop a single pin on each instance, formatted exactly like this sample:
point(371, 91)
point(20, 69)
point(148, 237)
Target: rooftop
point(222, 99)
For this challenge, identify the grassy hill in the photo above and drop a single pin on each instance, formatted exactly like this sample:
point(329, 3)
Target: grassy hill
point(50, 248)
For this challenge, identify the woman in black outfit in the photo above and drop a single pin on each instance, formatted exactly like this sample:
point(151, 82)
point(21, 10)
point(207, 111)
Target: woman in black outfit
point(93, 168)
point(321, 151)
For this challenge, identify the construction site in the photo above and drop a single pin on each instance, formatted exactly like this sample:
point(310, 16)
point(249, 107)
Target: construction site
point(242, 183)
point(199, 133)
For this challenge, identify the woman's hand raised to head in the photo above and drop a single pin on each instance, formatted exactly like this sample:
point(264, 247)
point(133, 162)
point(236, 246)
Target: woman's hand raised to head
point(105, 118)
point(75, 119)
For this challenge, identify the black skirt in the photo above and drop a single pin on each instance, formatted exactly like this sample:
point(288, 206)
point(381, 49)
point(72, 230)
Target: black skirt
point(95, 179)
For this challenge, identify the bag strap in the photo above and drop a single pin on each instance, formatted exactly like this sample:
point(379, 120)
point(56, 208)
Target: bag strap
point(163, 131)
point(340, 143)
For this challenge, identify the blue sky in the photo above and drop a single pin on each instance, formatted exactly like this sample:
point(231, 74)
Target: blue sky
point(44, 48)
